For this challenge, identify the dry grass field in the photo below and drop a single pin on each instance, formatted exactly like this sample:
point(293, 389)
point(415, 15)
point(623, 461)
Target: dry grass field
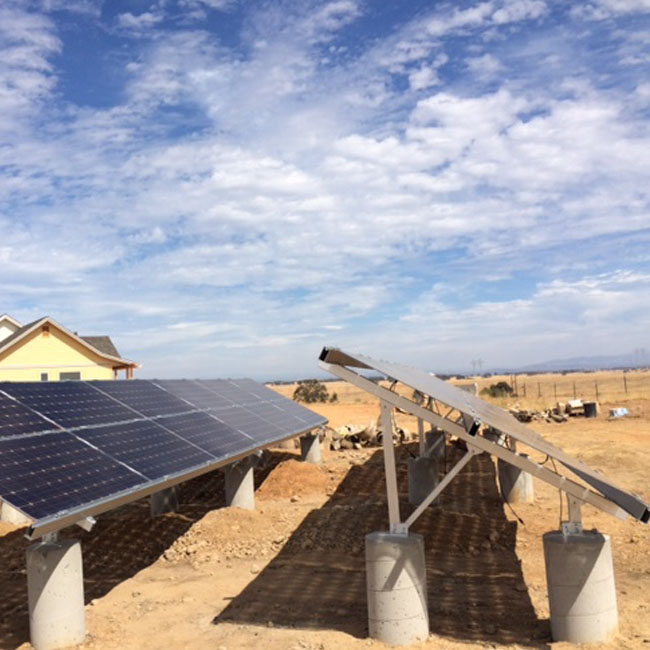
point(290, 575)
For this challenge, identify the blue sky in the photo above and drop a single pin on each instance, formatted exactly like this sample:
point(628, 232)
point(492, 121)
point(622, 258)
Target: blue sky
point(225, 187)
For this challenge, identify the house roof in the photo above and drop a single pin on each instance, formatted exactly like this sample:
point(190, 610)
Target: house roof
point(101, 345)
point(13, 321)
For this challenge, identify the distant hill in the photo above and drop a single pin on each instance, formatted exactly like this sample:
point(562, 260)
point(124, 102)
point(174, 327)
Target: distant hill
point(587, 363)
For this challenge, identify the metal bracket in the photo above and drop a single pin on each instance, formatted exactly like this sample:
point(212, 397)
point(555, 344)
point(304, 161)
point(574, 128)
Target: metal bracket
point(399, 529)
point(574, 525)
point(50, 538)
point(87, 523)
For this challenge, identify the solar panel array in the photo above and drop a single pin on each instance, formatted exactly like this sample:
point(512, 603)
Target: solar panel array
point(67, 445)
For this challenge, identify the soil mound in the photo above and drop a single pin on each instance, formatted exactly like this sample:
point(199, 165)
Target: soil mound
point(295, 478)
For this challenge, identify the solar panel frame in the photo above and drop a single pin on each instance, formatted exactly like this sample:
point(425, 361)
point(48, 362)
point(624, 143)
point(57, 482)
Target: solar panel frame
point(478, 409)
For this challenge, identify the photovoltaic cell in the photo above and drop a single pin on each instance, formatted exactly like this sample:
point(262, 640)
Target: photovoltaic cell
point(69, 403)
point(45, 475)
point(143, 396)
point(209, 434)
point(146, 447)
point(15, 419)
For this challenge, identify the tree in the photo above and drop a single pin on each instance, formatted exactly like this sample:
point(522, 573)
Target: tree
point(500, 389)
point(310, 391)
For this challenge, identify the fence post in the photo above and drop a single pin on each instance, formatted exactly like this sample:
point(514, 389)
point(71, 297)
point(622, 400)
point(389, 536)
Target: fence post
point(575, 396)
point(555, 390)
point(597, 396)
point(625, 382)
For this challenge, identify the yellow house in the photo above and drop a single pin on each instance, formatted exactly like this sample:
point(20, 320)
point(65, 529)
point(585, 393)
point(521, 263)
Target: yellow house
point(43, 350)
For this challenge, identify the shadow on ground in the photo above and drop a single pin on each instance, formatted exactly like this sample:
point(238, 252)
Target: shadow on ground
point(122, 543)
point(475, 584)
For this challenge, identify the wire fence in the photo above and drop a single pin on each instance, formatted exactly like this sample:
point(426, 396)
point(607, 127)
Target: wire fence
point(606, 388)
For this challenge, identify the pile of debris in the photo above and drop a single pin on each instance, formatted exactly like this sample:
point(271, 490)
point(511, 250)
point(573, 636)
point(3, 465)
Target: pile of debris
point(561, 412)
point(351, 436)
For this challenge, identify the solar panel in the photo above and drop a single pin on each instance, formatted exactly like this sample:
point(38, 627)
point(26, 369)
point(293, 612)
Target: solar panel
point(146, 447)
point(259, 430)
point(273, 414)
point(207, 433)
point(69, 403)
point(191, 391)
point(304, 414)
point(46, 474)
point(477, 409)
point(219, 390)
point(143, 396)
point(16, 419)
point(227, 390)
point(259, 390)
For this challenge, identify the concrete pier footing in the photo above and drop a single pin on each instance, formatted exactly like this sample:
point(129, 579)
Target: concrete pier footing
point(310, 448)
point(164, 501)
point(436, 445)
point(12, 516)
point(423, 478)
point(581, 589)
point(56, 595)
point(396, 588)
point(516, 485)
point(240, 485)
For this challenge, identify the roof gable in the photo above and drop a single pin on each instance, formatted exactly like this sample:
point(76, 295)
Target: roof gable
point(106, 348)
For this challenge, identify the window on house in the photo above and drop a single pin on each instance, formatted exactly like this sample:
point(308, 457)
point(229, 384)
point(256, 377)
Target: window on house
point(45, 376)
point(69, 376)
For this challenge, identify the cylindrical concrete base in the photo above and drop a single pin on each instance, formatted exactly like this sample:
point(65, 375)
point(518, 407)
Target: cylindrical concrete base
point(581, 590)
point(56, 594)
point(310, 448)
point(436, 445)
point(240, 485)
point(164, 501)
point(397, 592)
point(423, 478)
point(12, 516)
point(516, 485)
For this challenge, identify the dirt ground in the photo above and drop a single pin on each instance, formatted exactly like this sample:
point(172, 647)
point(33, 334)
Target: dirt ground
point(290, 574)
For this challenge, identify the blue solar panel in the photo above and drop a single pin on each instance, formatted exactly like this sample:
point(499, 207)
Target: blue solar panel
point(258, 390)
point(146, 447)
point(16, 419)
point(197, 395)
point(120, 437)
point(209, 434)
point(229, 393)
point(69, 403)
point(242, 419)
point(308, 416)
point(143, 396)
point(46, 474)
